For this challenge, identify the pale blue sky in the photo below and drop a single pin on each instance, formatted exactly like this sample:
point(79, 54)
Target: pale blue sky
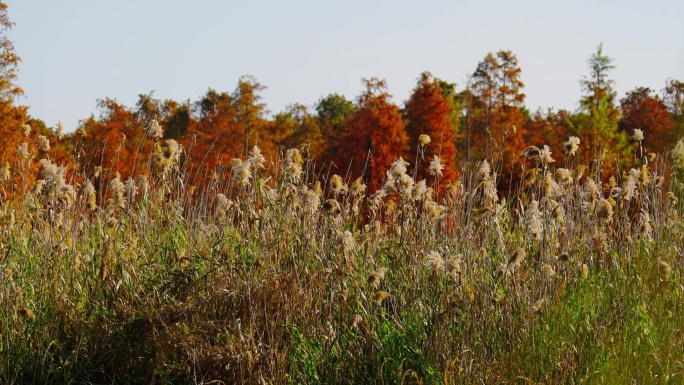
point(76, 51)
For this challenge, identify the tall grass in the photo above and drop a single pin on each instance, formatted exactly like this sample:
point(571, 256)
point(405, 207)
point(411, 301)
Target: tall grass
point(275, 272)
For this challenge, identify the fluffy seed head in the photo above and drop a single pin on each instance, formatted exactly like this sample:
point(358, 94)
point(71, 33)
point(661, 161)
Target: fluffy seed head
point(436, 166)
point(434, 262)
point(25, 129)
point(381, 296)
point(424, 140)
point(22, 151)
point(545, 155)
point(90, 195)
point(60, 130)
point(665, 269)
point(26, 313)
point(548, 272)
point(638, 135)
point(43, 143)
point(678, 154)
point(572, 145)
point(153, 129)
point(530, 152)
point(584, 271)
point(604, 211)
point(337, 184)
point(484, 170)
point(5, 174)
point(517, 258)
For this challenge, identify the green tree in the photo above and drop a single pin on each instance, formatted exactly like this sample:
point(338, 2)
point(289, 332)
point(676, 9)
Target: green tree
point(295, 127)
point(673, 96)
point(332, 113)
point(455, 102)
point(599, 116)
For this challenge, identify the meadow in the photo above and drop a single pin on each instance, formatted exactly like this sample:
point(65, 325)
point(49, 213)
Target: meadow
point(275, 272)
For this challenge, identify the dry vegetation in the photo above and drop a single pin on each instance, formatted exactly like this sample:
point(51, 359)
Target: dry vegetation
point(279, 273)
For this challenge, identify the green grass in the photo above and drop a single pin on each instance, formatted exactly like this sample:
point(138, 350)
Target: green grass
point(170, 288)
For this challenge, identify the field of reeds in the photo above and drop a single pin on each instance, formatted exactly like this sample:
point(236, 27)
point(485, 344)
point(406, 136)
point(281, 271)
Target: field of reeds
point(276, 272)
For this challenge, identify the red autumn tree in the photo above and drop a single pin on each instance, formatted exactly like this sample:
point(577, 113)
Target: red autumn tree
point(373, 137)
point(551, 128)
point(641, 110)
point(429, 113)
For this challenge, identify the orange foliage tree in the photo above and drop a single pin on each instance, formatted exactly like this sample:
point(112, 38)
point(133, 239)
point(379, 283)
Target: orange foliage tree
point(428, 113)
point(11, 116)
point(115, 141)
point(496, 121)
point(373, 137)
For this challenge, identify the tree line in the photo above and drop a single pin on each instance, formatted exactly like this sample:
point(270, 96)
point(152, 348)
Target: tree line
point(486, 119)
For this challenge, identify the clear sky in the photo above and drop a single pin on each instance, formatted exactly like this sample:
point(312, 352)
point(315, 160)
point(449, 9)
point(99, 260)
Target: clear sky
point(76, 51)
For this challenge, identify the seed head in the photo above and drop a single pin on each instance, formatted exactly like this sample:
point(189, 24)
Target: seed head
point(419, 191)
point(25, 129)
point(153, 129)
point(424, 140)
point(564, 176)
point(604, 211)
point(436, 166)
point(293, 164)
point(337, 184)
point(5, 174)
point(256, 158)
point(532, 220)
point(584, 271)
point(116, 188)
point(517, 258)
point(665, 270)
point(638, 135)
point(572, 145)
point(60, 130)
point(358, 187)
point(545, 155)
point(89, 192)
point(678, 154)
point(43, 143)
point(538, 305)
point(26, 312)
point(22, 151)
point(530, 152)
point(397, 169)
point(484, 170)
point(332, 206)
point(381, 296)
point(548, 272)
point(434, 262)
